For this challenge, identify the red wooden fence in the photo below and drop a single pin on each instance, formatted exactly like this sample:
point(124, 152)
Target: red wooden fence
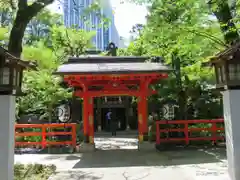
point(44, 133)
point(187, 130)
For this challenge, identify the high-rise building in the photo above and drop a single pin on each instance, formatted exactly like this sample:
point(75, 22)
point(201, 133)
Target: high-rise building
point(74, 16)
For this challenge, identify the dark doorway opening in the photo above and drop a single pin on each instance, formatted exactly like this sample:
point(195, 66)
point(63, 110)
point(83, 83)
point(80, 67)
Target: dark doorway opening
point(119, 114)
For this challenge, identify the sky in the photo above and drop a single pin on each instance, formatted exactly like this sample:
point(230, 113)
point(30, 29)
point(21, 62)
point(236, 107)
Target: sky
point(126, 15)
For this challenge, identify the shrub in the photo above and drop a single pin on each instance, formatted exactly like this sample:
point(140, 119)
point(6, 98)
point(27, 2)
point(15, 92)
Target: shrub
point(33, 171)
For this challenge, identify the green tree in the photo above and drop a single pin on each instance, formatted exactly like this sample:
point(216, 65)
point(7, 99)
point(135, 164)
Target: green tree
point(43, 92)
point(71, 42)
point(42, 88)
point(226, 12)
point(222, 11)
point(185, 36)
point(25, 11)
point(39, 28)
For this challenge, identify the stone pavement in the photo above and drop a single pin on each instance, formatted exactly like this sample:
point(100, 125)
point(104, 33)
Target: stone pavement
point(121, 161)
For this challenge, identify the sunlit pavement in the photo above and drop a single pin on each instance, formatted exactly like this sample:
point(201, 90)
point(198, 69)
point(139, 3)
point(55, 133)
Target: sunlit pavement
point(119, 159)
point(116, 143)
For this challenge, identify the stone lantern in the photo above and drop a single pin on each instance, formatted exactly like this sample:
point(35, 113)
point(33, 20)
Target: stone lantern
point(227, 68)
point(227, 71)
point(11, 73)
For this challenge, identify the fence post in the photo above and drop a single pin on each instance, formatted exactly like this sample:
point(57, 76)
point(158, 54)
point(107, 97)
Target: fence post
point(44, 143)
point(74, 138)
point(214, 132)
point(157, 133)
point(186, 133)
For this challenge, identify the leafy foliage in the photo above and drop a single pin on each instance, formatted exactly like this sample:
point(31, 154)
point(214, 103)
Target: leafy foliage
point(71, 42)
point(182, 32)
point(42, 88)
point(43, 91)
point(40, 27)
point(33, 171)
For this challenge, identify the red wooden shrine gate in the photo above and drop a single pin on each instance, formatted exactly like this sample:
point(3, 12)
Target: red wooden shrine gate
point(112, 76)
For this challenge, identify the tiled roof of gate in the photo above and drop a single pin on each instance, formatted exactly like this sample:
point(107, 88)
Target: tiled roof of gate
point(111, 65)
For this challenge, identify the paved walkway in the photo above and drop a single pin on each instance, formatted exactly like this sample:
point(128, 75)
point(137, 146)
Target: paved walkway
point(121, 161)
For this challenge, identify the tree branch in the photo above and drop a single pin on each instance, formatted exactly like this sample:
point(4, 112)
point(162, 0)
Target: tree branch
point(37, 6)
point(209, 36)
point(222, 11)
point(24, 14)
point(22, 4)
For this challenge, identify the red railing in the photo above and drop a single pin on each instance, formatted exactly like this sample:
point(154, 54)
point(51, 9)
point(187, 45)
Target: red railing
point(187, 128)
point(45, 131)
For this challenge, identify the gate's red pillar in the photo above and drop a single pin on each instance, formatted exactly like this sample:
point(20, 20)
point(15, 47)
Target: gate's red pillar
point(91, 121)
point(142, 116)
point(140, 121)
point(85, 117)
point(143, 111)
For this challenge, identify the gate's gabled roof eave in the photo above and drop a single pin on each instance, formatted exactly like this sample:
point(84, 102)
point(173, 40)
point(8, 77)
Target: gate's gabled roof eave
point(112, 65)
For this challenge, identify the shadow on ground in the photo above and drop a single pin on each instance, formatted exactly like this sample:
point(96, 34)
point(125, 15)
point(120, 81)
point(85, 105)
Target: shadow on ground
point(110, 153)
point(127, 158)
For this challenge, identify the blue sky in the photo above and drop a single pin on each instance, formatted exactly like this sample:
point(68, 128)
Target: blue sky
point(126, 15)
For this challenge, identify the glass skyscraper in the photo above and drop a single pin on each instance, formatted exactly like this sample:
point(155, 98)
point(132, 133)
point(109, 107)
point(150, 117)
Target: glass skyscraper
point(74, 16)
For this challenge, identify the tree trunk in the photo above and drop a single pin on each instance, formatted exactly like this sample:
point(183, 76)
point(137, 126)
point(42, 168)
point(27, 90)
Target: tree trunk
point(17, 33)
point(24, 15)
point(222, 11)
point(176, 62)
